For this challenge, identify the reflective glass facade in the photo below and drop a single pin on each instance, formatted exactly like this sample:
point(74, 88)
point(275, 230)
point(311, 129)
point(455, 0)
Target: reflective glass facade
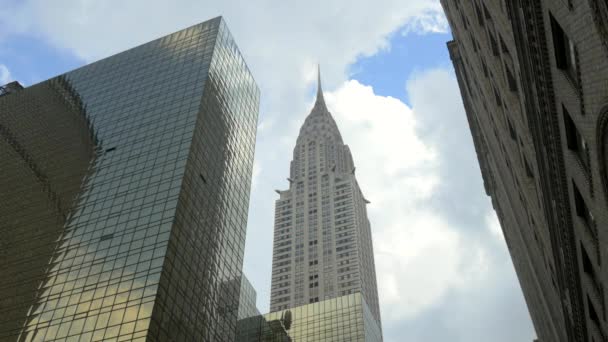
point(128, 189)
point(247, 300)
point(345, 318)
point(251, 325)
point(258, 329)
point(42, 130)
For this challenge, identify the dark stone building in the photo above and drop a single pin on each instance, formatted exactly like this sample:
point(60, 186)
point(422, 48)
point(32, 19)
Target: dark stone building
point(124, 190)
point(534, 82)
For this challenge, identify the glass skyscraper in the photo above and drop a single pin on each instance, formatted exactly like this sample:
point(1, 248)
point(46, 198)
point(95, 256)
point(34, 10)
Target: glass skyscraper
point(124, 190)
point(322, 236)
point(253, 326)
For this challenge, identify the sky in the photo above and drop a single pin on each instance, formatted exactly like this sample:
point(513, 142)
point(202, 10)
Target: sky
point(444, 271)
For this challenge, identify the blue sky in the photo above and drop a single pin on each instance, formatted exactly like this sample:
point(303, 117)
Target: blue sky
point(443, 269)
point(388, 70)
point(31, 59)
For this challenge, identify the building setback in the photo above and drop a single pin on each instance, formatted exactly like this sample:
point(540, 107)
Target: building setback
point(534, 78)
point(124, 190)
point(322, 236)
point(343, 318)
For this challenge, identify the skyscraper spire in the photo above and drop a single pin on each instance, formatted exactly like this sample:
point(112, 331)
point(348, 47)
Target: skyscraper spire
point(320, 99)
point(319, 90)
point(319, 115)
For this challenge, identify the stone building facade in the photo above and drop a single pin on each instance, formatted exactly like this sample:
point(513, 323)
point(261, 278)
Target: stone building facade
point(534, 81)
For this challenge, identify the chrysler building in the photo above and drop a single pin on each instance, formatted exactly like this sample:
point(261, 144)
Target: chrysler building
point(322, 236)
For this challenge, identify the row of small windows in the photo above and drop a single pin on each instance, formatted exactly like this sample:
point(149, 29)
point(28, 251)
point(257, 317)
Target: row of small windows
point(348, 214)
point(348, 220)
point(282, 270)
point(496, 46)
point(343, 203)
point(339, 198)
point(343, 248)
point(280, 238)
point(350, 239)
point(281, 292)
point(283, 243)
point(280, 232)
point(282, 277)
point(350, 283)
point(347, 276)
point(281, 299)
point(282, 250)
point(278, 285)
point(283, 219)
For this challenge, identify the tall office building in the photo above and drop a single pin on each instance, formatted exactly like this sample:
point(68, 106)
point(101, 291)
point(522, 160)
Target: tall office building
point(534, 77)
point(322, 236)
point(46, 147)
point(124, 189)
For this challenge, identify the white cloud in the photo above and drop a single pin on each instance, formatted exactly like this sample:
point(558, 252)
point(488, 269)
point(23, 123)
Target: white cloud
point(257, 169)
point(417, 260)
point(381, 132)
point(397, 171)
point(420, 255)
point(5, 75)
point(429, 22)
point(494, 226)
point(426, 254)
